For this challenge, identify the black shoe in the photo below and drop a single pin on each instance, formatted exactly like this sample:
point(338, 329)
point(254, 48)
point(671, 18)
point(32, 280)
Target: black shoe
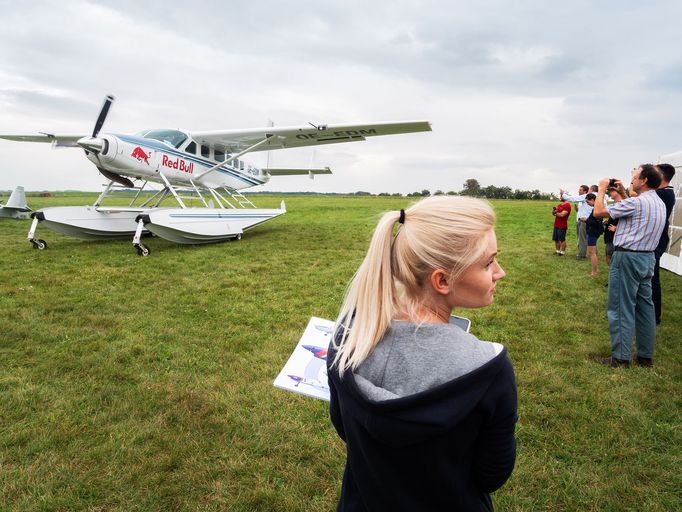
point(611, 361)
point(645, 362)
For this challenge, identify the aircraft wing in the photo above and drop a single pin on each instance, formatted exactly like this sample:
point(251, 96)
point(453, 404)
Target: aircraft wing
point(293, 172)
point(56, 140)
point(282, 137)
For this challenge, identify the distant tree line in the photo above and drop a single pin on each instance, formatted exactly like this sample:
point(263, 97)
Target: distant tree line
point(471, 188)
point(474, 189)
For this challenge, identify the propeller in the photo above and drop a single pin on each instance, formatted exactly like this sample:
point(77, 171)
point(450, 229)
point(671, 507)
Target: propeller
point(94, 144)
point(103, 114)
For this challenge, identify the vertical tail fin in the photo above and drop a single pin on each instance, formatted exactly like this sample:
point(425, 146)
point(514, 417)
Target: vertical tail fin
point(17, 199)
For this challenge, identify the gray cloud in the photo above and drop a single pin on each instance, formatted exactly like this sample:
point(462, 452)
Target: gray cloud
point(538, 95)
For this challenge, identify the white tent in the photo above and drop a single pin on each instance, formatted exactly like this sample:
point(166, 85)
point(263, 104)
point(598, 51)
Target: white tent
point(672, 259)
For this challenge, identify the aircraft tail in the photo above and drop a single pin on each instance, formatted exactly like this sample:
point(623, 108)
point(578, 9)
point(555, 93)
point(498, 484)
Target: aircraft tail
point(18, 200)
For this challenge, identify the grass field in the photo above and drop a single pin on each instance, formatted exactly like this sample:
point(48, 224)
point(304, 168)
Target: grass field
point(145, 384)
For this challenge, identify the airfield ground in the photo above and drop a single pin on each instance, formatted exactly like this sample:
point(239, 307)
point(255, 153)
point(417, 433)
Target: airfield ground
point(144, 384)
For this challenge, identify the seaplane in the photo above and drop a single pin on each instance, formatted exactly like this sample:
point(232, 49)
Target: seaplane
point(205, 166)
point(16, 206)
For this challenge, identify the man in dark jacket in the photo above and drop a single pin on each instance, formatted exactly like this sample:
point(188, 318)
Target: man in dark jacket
point(667, 195)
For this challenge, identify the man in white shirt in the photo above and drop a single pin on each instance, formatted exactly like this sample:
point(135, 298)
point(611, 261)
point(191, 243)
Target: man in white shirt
point(584, 211)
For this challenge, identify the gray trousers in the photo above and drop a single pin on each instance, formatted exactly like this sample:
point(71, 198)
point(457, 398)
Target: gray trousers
point(630, 307)
point(582, 239)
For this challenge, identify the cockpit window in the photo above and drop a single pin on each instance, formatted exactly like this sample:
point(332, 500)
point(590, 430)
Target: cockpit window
point(173, 138)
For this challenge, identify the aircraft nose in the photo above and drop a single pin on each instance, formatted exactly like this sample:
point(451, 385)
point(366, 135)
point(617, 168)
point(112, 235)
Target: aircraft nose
point(92, 144)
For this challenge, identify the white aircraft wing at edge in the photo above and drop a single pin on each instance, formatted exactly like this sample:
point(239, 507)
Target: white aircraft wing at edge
point(282, 137)
point(56, 140)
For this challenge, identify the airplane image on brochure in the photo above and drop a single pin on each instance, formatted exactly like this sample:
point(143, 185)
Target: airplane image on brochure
point(203, 165)
point(306, 370)
point(16, 206)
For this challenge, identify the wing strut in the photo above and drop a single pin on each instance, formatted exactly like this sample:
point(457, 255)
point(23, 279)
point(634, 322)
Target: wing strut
point(170, 187)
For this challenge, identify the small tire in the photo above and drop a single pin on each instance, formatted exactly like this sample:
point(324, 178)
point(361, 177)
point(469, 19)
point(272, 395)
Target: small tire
point(39, 244)
point(142, 250)
point(238, 237)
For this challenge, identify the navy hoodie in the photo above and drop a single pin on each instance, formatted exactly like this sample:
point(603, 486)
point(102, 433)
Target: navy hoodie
point(445, 448)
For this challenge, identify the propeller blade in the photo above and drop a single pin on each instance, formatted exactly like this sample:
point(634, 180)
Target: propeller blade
point(103, 114)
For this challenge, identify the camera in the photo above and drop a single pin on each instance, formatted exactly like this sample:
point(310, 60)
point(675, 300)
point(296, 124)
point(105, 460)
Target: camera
point(612, 183)
point(554, 210)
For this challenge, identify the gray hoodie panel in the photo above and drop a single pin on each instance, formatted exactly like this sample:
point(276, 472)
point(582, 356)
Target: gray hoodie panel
point(411, 358)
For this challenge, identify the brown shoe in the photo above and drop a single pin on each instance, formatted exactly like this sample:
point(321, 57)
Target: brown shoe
point(611, 361)
point(646, 362)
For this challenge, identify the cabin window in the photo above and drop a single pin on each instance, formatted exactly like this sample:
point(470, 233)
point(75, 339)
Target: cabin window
point(191, 148)
point(205, 151)
point(219, 156)
point(173, 138)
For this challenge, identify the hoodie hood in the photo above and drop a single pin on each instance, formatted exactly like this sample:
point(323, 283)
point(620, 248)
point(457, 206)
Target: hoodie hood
point(412, 419)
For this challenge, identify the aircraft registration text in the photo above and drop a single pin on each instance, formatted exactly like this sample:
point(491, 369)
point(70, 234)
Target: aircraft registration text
point(340, 133)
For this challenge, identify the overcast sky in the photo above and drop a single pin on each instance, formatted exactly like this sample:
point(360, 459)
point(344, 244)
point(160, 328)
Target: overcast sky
point(527, 94)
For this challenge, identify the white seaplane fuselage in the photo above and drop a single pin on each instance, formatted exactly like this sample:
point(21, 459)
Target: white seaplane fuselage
point(182, 161)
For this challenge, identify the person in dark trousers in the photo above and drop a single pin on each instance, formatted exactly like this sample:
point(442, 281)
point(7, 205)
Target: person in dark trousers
point(667, 195)
point(427, 411)
point(594, 228)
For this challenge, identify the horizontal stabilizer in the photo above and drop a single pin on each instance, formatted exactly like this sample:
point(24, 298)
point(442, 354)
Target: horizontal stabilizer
point(294, 172)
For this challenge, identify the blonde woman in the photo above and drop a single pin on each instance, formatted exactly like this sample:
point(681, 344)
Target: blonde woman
point(427, 411)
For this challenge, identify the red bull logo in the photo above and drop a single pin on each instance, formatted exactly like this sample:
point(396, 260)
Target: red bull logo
point(139, 153)
point(178, 164)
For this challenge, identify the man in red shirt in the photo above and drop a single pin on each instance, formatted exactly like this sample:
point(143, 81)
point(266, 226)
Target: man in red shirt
point(561, 213)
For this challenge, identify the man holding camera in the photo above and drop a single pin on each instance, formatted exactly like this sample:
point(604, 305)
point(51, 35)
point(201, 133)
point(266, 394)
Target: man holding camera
point(630, 306)
point(584, 211)
point(561, 213)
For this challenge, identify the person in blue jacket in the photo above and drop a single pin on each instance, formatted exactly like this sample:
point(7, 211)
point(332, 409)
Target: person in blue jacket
point(427, 411)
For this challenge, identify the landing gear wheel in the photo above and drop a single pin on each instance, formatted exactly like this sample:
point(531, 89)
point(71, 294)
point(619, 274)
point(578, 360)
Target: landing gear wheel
point(142, 250)
point(238, 237)
point(39, 244)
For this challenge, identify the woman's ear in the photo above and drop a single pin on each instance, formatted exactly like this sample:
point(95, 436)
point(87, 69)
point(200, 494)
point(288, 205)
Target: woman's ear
point(440, 281)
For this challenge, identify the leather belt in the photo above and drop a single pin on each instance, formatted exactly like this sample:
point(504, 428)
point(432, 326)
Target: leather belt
point(623, 249)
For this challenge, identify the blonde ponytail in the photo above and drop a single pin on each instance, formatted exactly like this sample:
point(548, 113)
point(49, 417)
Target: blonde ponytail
point(369, 301)
point(441, 232)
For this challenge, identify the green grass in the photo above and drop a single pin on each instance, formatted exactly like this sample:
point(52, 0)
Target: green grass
point(139, 384)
